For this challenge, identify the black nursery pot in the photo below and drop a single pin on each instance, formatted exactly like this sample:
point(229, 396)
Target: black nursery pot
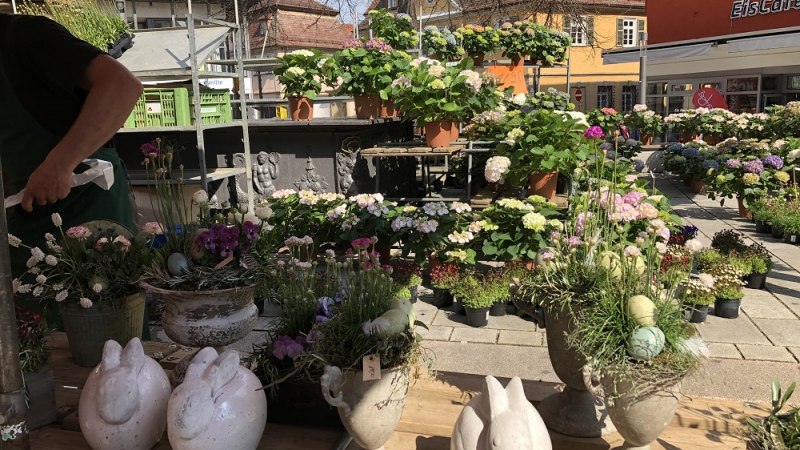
point(777, 232)
point(756, 280)
point(477, 317)
point(791, 238)
point(442, 298)
point(763, 227)
point(696, 313)
point(728, 309)
point(459, 309)
point(498, 309)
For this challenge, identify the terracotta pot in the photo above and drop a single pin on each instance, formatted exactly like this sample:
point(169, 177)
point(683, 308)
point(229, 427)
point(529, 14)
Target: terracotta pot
point(454, 132)
point(207, 318)
point(646, 138)
point(743, 211)
point(712, 139)
point(686, 181)
point(439, 134)
point(370, 410)
point(477, 60)
point(388, 109)
point(368, 106)
point(301, 108)
point(544, 184)
point(574, 411)
point(697, 186)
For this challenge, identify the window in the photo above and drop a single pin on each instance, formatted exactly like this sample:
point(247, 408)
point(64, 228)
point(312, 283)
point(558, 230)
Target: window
point(580, 29)
point(628, 31)
point(630, 95)
point(391, 4)
point(605, 96)
point(793, 82)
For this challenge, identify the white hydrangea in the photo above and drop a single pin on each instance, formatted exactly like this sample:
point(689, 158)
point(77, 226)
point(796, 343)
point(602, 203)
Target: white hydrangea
point(14, 241)
point(458, 255)
point(460, 237)
point(496, 168)
point(307, 197)
point(426, 226)
point(460, 207)
point(793, 155)
point(513, 135)
point(534, 221)
point(435, 209)
point(85, 302)
point(476, 227)
point(336, 213)
point(519, 99)
point(302, 52)
point(50, 260)
point(639, 108)
point(298, 71)
point(436, 71)
point(283, 193)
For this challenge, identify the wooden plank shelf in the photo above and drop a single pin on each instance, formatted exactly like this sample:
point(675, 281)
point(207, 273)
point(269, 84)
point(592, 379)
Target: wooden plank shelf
point(432, 407)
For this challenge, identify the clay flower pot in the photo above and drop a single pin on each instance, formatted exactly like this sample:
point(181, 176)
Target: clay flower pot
point(439, 134)
point(544, 184)
point(388, 110)
point(368, 106)
point(743, 211)
point(697, 186)
point(301, 108)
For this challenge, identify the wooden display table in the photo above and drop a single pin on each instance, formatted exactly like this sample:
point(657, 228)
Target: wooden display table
point(431, 410)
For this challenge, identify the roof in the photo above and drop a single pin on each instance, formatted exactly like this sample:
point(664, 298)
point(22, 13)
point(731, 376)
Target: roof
point(309, 6)
point(544, 5)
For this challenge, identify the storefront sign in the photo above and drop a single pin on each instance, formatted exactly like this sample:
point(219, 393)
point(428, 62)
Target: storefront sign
point(578, 95)
point(750, 8)
point(709, 98)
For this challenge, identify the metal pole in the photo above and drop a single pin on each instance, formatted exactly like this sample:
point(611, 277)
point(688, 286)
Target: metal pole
point(569, 70)
point(14, 6)
point(643, 69)
point(172, 12)
point(248, 168)
point(420, 28)
point(13, 407)
point(198, 118)
point(135, 17)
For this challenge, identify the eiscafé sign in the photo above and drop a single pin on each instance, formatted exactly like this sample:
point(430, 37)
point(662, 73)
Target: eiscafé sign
point(750, 8)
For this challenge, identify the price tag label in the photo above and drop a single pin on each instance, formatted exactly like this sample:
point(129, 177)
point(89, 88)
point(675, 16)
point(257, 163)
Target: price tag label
point(371, 367)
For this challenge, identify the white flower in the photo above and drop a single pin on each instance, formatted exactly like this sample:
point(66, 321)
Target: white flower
point(693, 246)
point(496, 167)
point(302, 52)
point(330, 253)
point(460, 237)
point(49, 237)
point(86, 303)
point(706, 279)
point(476, 227)
point(534, 221)
point(307, 197)
point(307, 240)
point(31, 262)
point(50, 260)
point(283, 193)
point(37, 291)
point(37, 253)
point(436, 71)
point(519, 99)
point(56, 218)
point(97, 288)
point(58, 286)
point(661, 248)
point(639, 108)
point(409, 209)
point(577, 116)
point(401, 223)
point(13, 240)
point(303, 264)
point(61, 296)
point(793, 155)
point(459, 255)
point(41, 279)
point(336, 213)
point(299, 71)
point(330, 196)
point(15, 284)
point(435, 209)
point(472, 79)
point(263, 212)
point(460, 207)
point(200, 197)
point(632, 250)
point(513, 135)
point(35, 270)
point(24, 288)
point(426, 226)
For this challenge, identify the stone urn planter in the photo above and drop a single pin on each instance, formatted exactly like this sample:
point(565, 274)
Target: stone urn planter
point(207, 318)
point(640, 417)
point(574, 411)
point(370, 410)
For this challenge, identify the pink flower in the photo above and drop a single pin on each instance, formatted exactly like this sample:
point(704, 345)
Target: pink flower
point(123, 242)
point(152, 228)
point(100, 243)
point(648, 211)
point(634, 198)
point(79, 232)
point(609, 111)
point(361, 243)
point(593, 132)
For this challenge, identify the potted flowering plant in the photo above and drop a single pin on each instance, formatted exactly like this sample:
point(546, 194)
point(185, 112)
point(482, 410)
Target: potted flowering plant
point(444, 276)
point(523, 39)
point(478, 292)
point(395, 30)
point(365, 69)
point(478, 40)
point(302, 213)
point(366, 215)
point(697, 294)
point(646, 121)
point(442, 44)
point(438, 95)
point(435, 228)
point(540, 144)
point(33, 356)
point(204, 262)
point(302, 74)
point(717, 122)
point(748, 178)
point(728, 290)
point(608, 119)
point(518, 229)
point(91, 273)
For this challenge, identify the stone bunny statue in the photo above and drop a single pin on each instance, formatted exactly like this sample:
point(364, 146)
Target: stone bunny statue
point(123, 405)
point(500, 419)
point(218, 405)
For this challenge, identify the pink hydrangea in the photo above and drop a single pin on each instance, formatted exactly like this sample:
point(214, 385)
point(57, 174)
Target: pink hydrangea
point(634, 198)
point(648, 211)
point(79, 232)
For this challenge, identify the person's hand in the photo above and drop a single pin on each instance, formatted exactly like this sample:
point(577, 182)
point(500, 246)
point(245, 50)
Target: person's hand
point(49, 183)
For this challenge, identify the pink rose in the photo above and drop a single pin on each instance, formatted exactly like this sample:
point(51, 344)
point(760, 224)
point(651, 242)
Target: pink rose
point(80, 233)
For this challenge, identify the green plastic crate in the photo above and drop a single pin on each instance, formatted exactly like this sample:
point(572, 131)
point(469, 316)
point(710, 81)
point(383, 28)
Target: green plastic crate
point(161, 108)
point(215, 106)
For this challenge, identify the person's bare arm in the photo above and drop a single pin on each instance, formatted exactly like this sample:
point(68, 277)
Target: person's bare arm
point(112, 92)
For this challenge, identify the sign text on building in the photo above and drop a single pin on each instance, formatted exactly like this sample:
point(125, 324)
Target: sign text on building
point(750, 8)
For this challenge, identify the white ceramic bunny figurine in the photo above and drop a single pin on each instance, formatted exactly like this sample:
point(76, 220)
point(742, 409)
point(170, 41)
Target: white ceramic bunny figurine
point(500, 419)
point(218, 405)
point(123, 405)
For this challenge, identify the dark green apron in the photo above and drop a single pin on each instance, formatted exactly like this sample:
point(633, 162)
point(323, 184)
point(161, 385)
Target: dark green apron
point(24, 144)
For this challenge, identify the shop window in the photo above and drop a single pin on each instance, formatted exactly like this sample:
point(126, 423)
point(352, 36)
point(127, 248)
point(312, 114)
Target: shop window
point(769, 83)
point(580, 29)
point(656, 88)
point(630, 96)
point(793, 82)
point(605, 96)
point(628, 31)
point(391, 4)
point(743, 84)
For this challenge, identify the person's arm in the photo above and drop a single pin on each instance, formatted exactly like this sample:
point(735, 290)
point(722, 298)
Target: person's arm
point(112, 93)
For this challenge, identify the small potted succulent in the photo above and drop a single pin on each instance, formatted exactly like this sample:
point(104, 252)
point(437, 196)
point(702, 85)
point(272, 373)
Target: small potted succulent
point(696, 295)
point(728, 290)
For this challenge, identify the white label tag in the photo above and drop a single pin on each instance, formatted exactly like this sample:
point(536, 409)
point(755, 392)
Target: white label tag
point(371, 367)
point(154, 108)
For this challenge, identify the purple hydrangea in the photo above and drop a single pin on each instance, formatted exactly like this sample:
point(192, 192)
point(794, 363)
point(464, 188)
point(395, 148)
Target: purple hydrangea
point(710, 164)
point(352, 43)
point(606, 146)
point(773, 161)
point(754, 166)
point(379, 45)
point(690, 152)
point(285, 346)
point(594, 132)
point(733, 163)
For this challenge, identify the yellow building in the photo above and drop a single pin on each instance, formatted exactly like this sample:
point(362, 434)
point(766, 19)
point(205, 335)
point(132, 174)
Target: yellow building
point(594, 26)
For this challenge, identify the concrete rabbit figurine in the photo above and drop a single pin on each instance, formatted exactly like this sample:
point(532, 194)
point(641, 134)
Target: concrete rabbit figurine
point(218, 405)
point(500, 419)
point(123, 405)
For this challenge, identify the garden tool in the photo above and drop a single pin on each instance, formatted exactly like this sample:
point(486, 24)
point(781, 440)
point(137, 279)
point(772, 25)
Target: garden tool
point(100, 172)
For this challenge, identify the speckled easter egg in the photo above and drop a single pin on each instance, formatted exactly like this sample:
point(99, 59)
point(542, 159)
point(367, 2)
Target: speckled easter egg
point(646, 343)
point(642, 310)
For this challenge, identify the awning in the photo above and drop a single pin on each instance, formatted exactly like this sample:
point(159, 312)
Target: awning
point(764, 43)
point(654, 54)
point(163, 54)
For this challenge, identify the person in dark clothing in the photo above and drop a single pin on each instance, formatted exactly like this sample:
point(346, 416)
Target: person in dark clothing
point(62, 102)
